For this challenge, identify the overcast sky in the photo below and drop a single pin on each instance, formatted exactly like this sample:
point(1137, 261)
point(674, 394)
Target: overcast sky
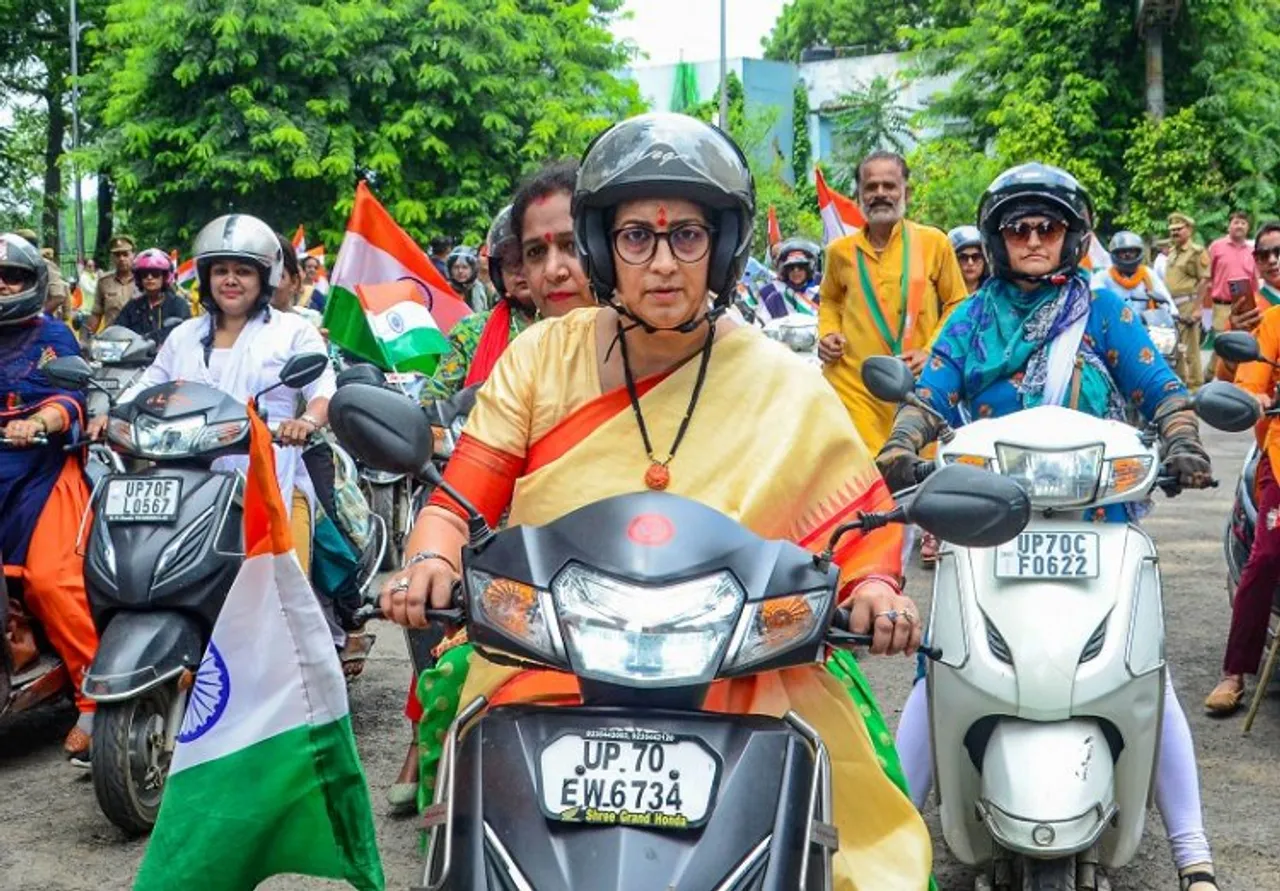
point(665, 28)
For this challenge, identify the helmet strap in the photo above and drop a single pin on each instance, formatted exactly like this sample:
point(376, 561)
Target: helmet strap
point(687, 327)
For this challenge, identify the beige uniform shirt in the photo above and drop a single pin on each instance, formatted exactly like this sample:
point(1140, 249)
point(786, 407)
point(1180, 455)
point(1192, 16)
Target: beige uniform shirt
point(1186, 269)
point(112, 296)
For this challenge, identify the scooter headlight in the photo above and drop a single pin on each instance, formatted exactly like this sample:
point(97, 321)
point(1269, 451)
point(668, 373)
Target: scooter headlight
point(190, 435)
point(646, 636)
point(1165, 340)
point(107, 351)
point(1054, 478)
point(774, 626)
point(520, 611)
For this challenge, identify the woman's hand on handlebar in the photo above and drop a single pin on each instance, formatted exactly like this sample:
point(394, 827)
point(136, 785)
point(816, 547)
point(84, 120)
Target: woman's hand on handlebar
point(295, 432)
point(22, 433)
point(409, 593)
point(880, 609)
point(96, 427)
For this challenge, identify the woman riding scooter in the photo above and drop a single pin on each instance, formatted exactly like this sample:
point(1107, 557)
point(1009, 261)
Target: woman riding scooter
point(464, 275)
point(646, 392)
point(239, 347)
point(1034, 335)
point(43, 493)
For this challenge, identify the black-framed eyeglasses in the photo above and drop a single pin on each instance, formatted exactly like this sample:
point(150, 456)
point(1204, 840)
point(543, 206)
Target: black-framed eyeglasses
point(1267, 254)
point(688, 242)
point(12, 275)
point(970, 257)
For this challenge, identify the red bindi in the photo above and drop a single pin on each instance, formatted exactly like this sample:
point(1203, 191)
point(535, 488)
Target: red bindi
point(548, 237)
point(662, 215)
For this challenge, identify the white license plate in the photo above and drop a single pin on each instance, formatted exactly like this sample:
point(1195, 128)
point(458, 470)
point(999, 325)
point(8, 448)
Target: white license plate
point(107, 383)
point(620, 777)
point(139, 500)
point(1049, 555)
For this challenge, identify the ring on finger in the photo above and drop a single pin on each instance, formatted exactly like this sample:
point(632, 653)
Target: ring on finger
point(890, 614)
point(909, 616)
point(399, 586)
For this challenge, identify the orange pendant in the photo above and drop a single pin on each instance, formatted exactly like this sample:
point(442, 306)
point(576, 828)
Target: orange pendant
point(657, 477)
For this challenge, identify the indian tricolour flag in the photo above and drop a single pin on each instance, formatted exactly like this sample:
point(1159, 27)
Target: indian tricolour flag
point(374, 252)
point(840, 214)
point(265, 778)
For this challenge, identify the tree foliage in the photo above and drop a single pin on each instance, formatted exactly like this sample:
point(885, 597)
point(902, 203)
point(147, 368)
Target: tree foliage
point(22, 144)
point(865, 24)
point(1065, 84)
point(868, 117)
point(801, 140)
point(278, 107)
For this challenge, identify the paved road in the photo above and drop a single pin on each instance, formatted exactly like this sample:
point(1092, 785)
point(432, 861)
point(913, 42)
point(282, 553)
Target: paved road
point(54, 838)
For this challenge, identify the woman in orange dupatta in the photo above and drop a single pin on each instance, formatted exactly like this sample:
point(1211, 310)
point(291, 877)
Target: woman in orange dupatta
point(659, 389)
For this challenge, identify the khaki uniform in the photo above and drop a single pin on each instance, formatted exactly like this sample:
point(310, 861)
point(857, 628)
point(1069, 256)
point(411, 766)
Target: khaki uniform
point(57, 301)
point(1185, 273)
point(112, 296)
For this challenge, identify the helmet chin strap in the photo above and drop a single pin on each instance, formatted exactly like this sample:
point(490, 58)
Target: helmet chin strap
point(686, 327)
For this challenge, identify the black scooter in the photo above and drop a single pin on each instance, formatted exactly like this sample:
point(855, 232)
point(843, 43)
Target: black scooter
point(647, 599)
point(161, 553)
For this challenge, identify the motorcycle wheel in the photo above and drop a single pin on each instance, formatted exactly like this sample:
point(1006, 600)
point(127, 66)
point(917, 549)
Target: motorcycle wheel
point(1049, 875)
point(130, 763)
point(382, 501)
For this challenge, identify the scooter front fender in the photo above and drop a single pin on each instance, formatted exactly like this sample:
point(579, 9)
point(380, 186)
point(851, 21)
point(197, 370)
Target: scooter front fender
point(141, 650)
point(1048, 788)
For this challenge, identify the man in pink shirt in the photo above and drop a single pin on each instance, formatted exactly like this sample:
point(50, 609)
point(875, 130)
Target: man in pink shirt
point(1230, 259)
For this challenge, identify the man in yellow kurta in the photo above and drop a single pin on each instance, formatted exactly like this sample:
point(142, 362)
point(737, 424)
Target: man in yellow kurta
point(886, 290)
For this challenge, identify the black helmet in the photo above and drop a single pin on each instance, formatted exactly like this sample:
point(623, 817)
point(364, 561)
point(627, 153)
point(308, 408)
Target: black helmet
point(18, 253)
point(466, 255)
point(799, 252)
point(1126, 250)
point(671, 155)
point(501, 238)
point(238, 236)
point(1035, 189)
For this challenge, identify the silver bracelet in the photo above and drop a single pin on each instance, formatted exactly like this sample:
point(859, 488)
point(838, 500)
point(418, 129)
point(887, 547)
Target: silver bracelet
point(424, 556)
point(310, 419)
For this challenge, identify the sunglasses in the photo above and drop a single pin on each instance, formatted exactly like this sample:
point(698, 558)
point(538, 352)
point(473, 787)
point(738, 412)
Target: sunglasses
point(12, 276)
point(1048, 231)
point(969, 257)
point(1267, 254)
point(151, 273)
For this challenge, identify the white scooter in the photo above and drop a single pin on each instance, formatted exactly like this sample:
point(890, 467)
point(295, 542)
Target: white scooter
point(1045, 702)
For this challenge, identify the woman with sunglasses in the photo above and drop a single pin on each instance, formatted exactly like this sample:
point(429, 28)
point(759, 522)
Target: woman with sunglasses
point(966, 241)
point(660, 389)
point(156, 300)
point(1033, 334)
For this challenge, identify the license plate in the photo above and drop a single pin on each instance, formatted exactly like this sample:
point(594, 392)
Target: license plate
point(136, 500)
point(628, 777)
point(1049, 555)
point(107, 383)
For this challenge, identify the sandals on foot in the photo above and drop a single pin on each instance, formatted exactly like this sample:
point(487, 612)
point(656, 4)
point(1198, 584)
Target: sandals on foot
point(403, 798)
point(356, 653)
point(1226, 698)
point(1186, 880)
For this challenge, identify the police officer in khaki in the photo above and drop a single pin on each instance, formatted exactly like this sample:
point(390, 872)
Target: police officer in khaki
point(55, 303)
point(115, 288)
point(1187, 277)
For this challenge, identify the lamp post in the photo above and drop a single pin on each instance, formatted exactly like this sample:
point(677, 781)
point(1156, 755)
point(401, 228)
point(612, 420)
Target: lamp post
point(724, 66)
point(75, 30)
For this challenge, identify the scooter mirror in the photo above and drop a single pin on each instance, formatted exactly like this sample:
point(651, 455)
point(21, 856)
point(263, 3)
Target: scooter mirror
point(303, 369)
point(888, 379)
point(970, 507)
point(1237, 346)
point(69, 372)
point(1227, 407)
point(381, 428)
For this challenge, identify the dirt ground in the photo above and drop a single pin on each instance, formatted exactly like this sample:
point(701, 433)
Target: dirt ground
point(55, 839)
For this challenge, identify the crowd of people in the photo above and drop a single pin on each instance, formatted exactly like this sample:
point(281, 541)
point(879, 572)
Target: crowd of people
point(612, 332)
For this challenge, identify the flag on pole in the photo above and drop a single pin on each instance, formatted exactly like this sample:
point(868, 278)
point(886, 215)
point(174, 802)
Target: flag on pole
point(375, 250)
point(840, 214)
point(265, 778)
point(386, 324)
point(1097, 258)
point(775, 231)
point(300, 241)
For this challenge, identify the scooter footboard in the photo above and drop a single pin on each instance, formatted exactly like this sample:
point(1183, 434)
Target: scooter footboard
point(1048, 789)
point(593, 797)
point(138, 651)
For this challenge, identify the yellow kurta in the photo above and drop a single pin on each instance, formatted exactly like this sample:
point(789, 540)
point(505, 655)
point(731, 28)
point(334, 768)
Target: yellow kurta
point(844, 309)
point(769, 446)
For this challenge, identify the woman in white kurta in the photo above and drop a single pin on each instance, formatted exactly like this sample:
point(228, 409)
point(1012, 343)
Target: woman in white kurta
point(240, 345)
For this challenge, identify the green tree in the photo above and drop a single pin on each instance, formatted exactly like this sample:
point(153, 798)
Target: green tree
point(868, 117)
point(22, 144)
point(278, 107)
point(1167, 160)
point(863, 24)
point(947, 179)
point(801, 141)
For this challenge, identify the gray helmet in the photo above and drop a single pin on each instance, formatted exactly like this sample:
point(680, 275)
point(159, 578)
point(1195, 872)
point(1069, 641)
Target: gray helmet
point(1126, 249)
point(466, 255)
point(964, 236)
point(665, 155)
point(501, 238)
point(240, 237)
point(812, 256)
point(18, 253)
point(1040, 189)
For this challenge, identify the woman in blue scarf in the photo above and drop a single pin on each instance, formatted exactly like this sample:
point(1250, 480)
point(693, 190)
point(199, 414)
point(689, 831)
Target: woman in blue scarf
point(1034, 334)
point(43, 493)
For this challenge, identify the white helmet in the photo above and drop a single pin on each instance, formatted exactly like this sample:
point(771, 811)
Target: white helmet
point(241, 237)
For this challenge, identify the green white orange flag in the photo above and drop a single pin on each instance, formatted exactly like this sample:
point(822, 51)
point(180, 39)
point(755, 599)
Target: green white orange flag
point(265, 779)
point(840, 214)
point(386, 324)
